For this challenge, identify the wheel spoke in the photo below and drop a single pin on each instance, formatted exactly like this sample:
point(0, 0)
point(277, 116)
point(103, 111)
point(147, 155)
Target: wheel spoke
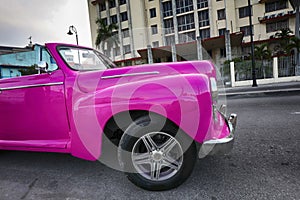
point(142, 158)
point(155, 170)
point(172, 163)
point(153, 167)
point(168, 145)
point(149, 143)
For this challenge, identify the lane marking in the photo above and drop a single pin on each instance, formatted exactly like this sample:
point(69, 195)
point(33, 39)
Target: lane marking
point(295, 113)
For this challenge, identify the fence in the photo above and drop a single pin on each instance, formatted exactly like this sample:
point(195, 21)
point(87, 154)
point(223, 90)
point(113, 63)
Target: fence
point(286, 66)
point(280, 69)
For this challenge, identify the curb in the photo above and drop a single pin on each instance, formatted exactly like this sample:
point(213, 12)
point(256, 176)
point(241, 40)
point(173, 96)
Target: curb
point(262, 92)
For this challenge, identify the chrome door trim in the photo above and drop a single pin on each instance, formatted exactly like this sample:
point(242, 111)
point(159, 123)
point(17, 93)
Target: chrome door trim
point(131, 74)
point(31, 86)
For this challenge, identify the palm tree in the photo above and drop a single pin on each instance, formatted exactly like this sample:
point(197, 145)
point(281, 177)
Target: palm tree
point(263, 54)
point(285, 35)
point(295, 44)
point(105, 35)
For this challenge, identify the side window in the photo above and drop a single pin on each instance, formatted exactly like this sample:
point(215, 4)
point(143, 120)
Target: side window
point(45, 56)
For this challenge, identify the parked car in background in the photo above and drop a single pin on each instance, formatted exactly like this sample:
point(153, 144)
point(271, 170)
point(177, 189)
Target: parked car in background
point(154, 119)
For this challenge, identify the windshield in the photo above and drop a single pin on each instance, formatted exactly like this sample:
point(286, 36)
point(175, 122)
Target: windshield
point(81, 59)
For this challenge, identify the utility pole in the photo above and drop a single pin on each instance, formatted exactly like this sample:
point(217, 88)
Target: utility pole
point(254, 84)
point(296, 7)
point(227, 36)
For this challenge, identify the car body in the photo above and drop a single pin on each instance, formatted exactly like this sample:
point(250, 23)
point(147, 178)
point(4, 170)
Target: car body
point(84, 100)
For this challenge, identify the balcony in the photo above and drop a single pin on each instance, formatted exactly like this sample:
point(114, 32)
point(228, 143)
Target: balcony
point(265, 1)
point(276, 17)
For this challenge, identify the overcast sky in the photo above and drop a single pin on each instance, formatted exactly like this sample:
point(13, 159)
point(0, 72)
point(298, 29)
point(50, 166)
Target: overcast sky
point(44, 20)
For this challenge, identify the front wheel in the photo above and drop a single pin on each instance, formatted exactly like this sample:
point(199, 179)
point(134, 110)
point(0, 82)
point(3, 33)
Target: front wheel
point(156, 158)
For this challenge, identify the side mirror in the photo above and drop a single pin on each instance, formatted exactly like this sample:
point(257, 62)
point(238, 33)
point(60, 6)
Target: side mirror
point(43, 66)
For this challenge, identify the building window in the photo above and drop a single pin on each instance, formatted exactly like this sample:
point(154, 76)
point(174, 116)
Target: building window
point(205, 33)
point(107, 53)
point(169, 26)
point(152, 12)
point(114, 19)
point(167, 9)
point(155, 44)
point(117, 51)
point(222, 31)
point(170, 40)
point(124, 16)
point(112, 3)
point(125, 33)
point(244, 12)
point(102, 6)
point(276, 26)
point(221, 14)
point(276, 5)
point(187, 37)
point(105, 21)
point(246, 30)
point(202, 4)
point(186, 22)
point(203, 18)
point(127, 49)
point(183, 6)
point(122, 2)
point(154, 29)
point(223, 52)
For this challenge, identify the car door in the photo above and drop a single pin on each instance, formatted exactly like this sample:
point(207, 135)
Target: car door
point(32, 108)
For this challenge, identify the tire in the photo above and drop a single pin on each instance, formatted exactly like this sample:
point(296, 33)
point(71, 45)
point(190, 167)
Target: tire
point(150, 143)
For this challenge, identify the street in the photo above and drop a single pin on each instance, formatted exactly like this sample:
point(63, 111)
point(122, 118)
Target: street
point(264, 164)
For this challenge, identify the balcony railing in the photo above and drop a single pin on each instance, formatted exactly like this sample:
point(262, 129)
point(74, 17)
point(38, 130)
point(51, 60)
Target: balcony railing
point(277, 16)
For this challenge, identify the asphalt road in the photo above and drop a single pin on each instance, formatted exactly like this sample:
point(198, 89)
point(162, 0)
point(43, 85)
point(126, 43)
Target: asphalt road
point(265, 164)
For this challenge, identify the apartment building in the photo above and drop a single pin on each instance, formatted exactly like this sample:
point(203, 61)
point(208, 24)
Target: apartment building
point(161, 24)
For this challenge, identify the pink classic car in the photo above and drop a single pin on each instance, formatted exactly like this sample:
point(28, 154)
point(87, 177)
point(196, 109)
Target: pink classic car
point(154, 120)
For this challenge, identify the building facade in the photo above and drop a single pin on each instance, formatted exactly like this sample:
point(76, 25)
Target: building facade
point(161, 23)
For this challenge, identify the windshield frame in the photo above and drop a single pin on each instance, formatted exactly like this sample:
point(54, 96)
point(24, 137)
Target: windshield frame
point(105, 60)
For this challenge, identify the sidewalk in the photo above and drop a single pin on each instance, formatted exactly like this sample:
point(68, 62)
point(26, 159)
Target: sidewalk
point(276, 88)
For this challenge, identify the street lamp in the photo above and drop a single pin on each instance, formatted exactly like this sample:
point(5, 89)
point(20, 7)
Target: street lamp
point(71, 30)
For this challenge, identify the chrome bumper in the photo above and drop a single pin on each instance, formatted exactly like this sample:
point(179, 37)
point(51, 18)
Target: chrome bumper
point(220, 146)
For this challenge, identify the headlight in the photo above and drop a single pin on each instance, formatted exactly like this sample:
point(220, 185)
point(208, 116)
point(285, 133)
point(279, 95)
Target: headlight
point(214, 89)
point(214, 96)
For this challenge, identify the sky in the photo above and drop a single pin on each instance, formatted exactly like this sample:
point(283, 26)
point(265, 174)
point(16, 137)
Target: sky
point(44, 20)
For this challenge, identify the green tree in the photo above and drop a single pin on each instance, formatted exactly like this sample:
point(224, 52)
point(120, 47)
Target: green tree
point(284, 35)
point(262, 52)
point(295, 44)
point(105, 35)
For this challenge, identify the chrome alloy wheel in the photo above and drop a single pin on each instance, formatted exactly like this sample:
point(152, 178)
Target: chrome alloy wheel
point(157, 156)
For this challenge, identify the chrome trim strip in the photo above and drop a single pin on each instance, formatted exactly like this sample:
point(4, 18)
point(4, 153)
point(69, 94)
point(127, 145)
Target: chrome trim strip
point(132, 74)
point(30, 86)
